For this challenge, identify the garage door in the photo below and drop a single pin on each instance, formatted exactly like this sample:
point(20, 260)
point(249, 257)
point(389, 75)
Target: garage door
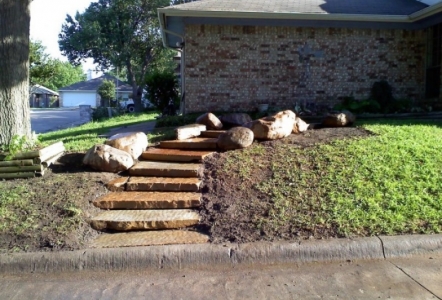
point(76, 99)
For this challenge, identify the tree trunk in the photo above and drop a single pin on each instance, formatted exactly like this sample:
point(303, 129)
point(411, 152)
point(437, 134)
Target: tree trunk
point(14, 69)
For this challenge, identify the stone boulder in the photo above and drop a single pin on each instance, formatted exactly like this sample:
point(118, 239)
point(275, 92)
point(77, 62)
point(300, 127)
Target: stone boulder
point(210, 120)
point(108, 159)
point(235, 138)
point(300, 126)
point(134, 143)
point(235, 119)
point(274, 127)
point(339, 119)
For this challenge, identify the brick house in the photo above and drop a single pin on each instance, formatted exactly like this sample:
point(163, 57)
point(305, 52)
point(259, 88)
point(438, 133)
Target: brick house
point(238, 54)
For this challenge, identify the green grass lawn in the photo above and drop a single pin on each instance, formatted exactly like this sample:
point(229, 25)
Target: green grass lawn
point(83, 137)
point(390, 183)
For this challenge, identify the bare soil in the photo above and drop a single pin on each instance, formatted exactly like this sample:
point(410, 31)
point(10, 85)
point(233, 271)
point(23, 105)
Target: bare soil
point(227, 213)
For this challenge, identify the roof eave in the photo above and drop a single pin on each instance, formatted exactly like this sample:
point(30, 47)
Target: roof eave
point(172, 12)
point(426, 12)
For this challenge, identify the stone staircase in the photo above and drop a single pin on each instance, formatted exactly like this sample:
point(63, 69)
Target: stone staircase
point(158, 198)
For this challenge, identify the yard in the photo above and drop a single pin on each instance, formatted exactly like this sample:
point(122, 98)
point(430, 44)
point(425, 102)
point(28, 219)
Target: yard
point(380, 177)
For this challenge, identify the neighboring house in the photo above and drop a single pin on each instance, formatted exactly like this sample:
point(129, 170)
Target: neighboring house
point(40, 96)
point(237, 54)
point(85, 92)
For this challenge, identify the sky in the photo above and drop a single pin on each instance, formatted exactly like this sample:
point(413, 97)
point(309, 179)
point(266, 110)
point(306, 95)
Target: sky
point(47, 16)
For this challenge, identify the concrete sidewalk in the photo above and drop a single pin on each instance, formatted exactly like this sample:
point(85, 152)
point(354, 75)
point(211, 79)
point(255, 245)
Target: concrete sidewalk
point(201, 255)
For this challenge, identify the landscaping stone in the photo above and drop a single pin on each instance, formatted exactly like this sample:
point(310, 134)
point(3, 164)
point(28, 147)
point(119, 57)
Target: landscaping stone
point(210, 120)
point(174, 155)
point(300, 126)
point(125, 220)
point(235, 138)
point(235, 119)
point(165, 169)
point(340, 119)
point(149, 238)
point(148, 200)
point(108, 159)
point(193, 143)
point(189, 131)
point(163, 184)
point(133, 143)
point(117, 185)
point(273, 127)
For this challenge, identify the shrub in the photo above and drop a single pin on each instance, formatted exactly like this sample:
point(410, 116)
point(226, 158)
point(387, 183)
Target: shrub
point(382, 93)
point(102, 113)
point(162, 87)
point(358, 106)
point(171, 121)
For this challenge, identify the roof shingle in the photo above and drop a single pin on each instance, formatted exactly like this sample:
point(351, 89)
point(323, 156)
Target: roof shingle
point(366, 7)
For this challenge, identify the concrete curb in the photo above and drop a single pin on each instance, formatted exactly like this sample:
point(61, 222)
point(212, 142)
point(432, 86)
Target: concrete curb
point(180, 256)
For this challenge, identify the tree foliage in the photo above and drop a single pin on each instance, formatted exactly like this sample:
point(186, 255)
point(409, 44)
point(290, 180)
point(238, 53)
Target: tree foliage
point(49, 72)
point(119, 33)
point(107, 92)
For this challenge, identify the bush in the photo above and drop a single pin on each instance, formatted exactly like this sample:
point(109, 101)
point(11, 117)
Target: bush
point(162, 87)
point(358, 106)
point(171, 121)
point(382, 93)
point(102, 113)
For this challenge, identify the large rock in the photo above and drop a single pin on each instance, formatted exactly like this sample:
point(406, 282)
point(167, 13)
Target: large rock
point(210, 120)
point(235, 138)
point(108, 159)
point(274, 127)
point(340, 119)
point(300, 126)
point(235, 119)
point(133, 143)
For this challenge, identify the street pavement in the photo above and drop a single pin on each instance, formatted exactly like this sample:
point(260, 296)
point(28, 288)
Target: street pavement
point(46, 120)
point(416, 277)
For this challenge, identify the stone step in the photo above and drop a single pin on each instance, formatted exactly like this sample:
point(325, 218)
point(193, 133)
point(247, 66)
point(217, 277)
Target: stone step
point(195, 143)
point(189, 131)
point(117, 184)
point(126, 220)
point(176, 155)
point(149, 238)
point(166, 169)
point(164, 184)
point(212, 133)
point(148, 200)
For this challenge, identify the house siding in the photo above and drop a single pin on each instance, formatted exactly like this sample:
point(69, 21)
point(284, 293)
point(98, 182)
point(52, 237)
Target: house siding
point(234, 68)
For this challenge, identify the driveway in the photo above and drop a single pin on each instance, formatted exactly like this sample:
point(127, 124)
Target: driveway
point(45, 120)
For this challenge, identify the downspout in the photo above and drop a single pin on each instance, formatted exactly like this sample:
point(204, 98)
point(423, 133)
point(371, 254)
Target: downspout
point(161, 16)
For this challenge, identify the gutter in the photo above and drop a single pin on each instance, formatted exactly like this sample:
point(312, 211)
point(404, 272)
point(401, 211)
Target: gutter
point(172, 12)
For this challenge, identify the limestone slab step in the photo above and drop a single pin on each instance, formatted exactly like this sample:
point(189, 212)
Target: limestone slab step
point(126, 220)
point(149, 238)
point(148, 200)
point(195, 143)
point(175, 155)
point(212, 133)
point(164, 184)
point(117, 184)
point(189, 131)
point(166, 169)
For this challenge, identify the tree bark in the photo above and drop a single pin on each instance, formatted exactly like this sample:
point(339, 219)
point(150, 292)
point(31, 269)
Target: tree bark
point(14, 69)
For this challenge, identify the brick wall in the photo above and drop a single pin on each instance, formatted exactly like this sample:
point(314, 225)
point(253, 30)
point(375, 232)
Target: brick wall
point(233, 68)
